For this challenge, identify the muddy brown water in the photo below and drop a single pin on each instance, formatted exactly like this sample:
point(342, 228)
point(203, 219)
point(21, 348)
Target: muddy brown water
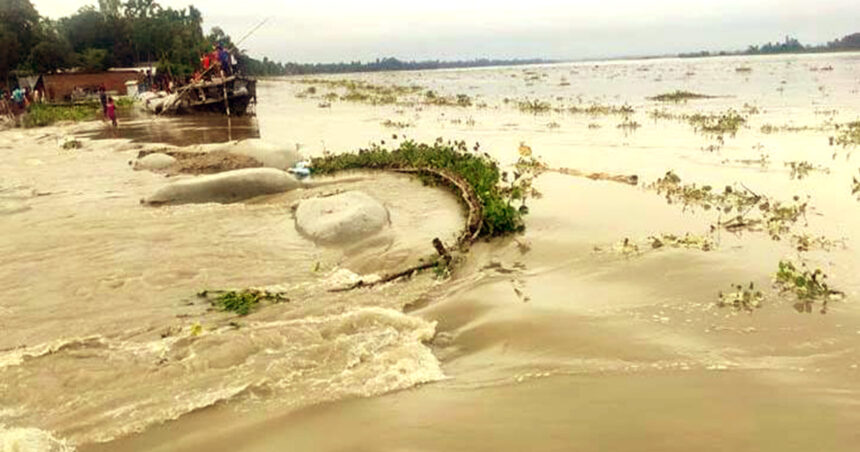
point(552, 340)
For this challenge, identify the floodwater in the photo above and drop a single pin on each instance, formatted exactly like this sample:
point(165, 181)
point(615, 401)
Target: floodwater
point(557, 339)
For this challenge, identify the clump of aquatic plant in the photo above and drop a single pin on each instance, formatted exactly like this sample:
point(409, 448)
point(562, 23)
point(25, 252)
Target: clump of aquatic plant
point(743, 69)
point(679, 96)
point(242, 302)
point(601, 110)
point(359, 91)
point(460, 100)
point(628, 125)
point(741, 298)
point(801, 169)
point(847, 134)
point(809, 287)
point(310, 91)
point(534, 106)
point(665, 114)
point(553, 125)
point(687, 241)
point(497, 192)
point(727, 123)
point(855, 188)
point(748, 210)
point(69, 143)
point(806, 242)
point(396, 124)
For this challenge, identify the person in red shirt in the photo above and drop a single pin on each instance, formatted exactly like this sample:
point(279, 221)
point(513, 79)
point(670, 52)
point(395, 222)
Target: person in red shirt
point(111, 111)
point(205, 61)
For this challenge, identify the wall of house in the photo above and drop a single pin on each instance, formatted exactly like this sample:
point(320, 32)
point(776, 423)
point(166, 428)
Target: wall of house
point(59, 87)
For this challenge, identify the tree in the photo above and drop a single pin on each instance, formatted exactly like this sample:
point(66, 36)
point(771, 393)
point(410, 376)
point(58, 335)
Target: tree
point(19, 23)
point(93, 60)
point(50, 55)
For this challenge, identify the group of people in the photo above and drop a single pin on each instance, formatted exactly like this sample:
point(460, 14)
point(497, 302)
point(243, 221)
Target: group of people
point(18, 100)
point(218, 61)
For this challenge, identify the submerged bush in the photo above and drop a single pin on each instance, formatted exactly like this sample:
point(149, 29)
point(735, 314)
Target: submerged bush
point(679, 96)
point(495, 190)
point(40, 115)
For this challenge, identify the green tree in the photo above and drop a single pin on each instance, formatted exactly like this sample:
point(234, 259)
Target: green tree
point(19, 23)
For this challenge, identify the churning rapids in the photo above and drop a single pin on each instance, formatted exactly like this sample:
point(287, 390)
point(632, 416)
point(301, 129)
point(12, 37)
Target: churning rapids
point(579, 334)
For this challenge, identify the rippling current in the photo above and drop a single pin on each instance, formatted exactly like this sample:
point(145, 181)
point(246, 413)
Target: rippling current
point(565, 337)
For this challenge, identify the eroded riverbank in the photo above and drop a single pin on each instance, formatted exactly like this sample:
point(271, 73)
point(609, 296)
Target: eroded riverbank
point(568, 336)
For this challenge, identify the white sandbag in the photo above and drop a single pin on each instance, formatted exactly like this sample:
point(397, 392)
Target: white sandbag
point(225, 187)
point(154, 161)
point(341, 218)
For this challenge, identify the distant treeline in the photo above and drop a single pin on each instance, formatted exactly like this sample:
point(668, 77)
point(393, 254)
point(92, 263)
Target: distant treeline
point(383, 64)
point(116, 34)
point(789, 45)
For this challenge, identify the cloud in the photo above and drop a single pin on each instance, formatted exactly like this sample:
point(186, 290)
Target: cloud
point(339, 30)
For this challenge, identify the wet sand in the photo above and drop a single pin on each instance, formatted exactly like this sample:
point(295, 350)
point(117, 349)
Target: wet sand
point(551, 346)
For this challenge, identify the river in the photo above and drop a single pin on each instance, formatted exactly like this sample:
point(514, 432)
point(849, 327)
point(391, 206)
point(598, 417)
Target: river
point(578, 334)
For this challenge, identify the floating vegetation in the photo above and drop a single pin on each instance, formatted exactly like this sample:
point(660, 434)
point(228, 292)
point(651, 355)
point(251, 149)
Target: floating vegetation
point(664, 114)
point(847, 134)
point(763, 161)
point(69, 142)
point(628, 247)
point(310, 91)
point(741, 298)
point(800, 170)
point(359, 91)
point(601, 110)
point(241, 302)
point(501, 197)
point(718, 124)
point(855, 186)
point(687, 241)
point(753, 212)
point(770, 128)
point(678, 96)
point(743, 69)
point(809, 287)
point(628, 125)
point(460, 100)
point(806, 242)
point(397, 124)
point(553, 125)
point(534, 106)
point(594, 125)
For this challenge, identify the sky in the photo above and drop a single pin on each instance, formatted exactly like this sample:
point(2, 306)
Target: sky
point(340, 30)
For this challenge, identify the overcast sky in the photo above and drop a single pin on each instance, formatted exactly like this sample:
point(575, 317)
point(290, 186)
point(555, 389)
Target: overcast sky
point(343, 30)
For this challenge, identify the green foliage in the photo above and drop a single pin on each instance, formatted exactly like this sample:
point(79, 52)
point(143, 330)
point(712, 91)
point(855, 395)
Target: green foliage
point(242, 302)
point(718, 124)
point(45, 114)
point(847, 134)
point(496, 191)
point(602, 110)
point(534, 106)
point(93, 60)
point(808, 286)
point(746, 298)
point(679, 96)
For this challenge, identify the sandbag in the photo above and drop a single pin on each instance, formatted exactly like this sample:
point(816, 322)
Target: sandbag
point(154, 161)
point(229, 186)
point(341, 219)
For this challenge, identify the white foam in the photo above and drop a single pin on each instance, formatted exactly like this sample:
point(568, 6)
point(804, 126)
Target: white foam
point(31, 440)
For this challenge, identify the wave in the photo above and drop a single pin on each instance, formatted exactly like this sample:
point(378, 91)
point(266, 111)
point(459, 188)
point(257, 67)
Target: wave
point(96, 389)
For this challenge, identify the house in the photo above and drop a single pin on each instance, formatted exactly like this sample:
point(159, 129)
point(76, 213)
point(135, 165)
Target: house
point(67, 86)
